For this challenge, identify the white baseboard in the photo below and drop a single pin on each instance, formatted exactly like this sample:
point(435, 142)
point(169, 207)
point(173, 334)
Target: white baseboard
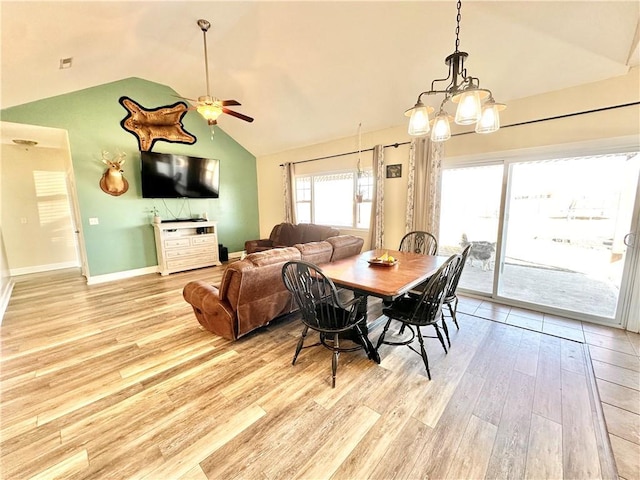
point(4, 298)
point(236, 254)
point(110, 277)
point(14, 272)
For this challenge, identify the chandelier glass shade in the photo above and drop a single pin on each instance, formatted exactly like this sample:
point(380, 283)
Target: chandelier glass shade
point(490, 117)
point(475, 105)
point(419, 121)
point(441, 128)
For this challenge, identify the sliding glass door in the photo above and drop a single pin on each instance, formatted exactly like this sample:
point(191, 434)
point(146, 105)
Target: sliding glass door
point(470, 213)
point(564, 238)
point(563, 224)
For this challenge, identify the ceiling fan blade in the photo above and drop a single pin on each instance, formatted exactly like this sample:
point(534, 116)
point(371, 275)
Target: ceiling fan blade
point(184, 98)
point(237, 115)
point(230, 103)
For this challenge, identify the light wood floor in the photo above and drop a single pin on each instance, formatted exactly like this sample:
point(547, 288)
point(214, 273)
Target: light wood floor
point(119, 381)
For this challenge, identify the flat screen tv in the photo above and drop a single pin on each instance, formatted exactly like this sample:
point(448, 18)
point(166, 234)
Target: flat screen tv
point(166, 175)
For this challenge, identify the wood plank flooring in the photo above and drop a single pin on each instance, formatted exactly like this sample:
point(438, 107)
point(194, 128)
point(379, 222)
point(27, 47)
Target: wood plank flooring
point(119, 381)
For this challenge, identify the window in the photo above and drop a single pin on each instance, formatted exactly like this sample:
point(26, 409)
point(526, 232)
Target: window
point(337, 199)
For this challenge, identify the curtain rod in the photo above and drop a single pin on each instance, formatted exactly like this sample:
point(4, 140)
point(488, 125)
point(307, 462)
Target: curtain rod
point(395, 145)
point(566, 115)
point(528, 122)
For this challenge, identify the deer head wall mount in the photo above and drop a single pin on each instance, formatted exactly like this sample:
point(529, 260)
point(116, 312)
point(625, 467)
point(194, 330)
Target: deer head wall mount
point(113, 181)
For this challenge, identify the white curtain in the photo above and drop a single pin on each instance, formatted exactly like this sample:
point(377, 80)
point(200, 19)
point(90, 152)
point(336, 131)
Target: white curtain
point(376, 229)
point(424, 182)
point(288, 192)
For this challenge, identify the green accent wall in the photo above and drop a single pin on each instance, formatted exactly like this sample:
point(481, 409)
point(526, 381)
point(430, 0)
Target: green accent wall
point(123, 240)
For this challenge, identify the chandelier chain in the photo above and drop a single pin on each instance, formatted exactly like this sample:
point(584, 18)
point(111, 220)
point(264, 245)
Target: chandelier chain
point(458, 18)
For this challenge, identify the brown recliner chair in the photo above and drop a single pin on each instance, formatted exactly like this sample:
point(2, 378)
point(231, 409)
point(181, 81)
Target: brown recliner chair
point(288, 235)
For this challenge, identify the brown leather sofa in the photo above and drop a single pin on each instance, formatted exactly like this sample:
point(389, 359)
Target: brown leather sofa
point(251, 292)
point(288, 235)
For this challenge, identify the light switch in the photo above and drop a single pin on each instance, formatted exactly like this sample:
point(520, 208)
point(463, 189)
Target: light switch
point(93, 221)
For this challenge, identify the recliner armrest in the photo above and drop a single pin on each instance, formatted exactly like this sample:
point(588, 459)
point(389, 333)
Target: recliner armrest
point(251, 246)
point(212, 312)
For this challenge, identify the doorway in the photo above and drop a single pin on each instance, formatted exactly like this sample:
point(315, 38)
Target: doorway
point(40, 217)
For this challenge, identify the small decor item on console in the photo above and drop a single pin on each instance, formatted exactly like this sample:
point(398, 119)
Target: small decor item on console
point(151, 125)
point(113, 181)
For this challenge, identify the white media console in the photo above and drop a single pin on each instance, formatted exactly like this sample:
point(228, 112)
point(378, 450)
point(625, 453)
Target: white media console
point(186, 245)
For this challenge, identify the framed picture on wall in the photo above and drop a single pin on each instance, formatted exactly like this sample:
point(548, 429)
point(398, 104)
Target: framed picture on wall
point(394, 171)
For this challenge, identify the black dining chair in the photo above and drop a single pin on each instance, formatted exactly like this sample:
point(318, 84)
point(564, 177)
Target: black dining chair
point(415, 312)
point(419, 242)
point(450, 297)
point(323, 311)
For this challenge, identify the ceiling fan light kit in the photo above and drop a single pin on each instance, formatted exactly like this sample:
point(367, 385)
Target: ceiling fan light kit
point(475, 104)
point(208, 109)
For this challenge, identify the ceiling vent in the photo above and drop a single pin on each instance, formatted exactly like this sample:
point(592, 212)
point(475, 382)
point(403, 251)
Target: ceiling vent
point(66, 63)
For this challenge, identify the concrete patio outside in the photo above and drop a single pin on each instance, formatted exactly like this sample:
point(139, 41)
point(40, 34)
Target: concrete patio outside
point(555, 288)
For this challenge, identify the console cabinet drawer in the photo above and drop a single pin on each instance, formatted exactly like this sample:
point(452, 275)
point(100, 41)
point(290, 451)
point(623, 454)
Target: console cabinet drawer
point(186, 252)
point(177, 243)
point(205, 239)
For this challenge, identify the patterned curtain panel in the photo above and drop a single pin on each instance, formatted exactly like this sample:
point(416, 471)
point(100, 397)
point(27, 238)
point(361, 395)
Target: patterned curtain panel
point(425, 178)
point(287, 189)
point(376, 230)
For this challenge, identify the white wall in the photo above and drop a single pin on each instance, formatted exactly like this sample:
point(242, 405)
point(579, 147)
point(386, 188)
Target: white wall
point(595, 126)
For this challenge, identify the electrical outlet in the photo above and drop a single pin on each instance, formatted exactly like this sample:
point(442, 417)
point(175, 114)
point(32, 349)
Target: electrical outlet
point(93, 221)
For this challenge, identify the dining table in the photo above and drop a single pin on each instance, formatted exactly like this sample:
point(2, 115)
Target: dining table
point(366, 275)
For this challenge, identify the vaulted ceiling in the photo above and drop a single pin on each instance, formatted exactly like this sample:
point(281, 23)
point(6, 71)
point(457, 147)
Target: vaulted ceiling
point(311, 71)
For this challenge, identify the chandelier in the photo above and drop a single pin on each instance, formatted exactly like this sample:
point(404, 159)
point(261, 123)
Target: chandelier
point(475, 104)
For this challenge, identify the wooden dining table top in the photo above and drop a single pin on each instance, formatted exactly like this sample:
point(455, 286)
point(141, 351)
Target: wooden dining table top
point(386, 282)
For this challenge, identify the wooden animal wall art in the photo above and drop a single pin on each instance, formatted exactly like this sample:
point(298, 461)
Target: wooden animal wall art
point(151, 125)
point(113, 181)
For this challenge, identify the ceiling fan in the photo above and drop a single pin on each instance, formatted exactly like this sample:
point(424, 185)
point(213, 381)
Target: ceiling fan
point(206, 105)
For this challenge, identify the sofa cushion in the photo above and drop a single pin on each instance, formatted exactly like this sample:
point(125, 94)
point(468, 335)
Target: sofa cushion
point(291, 234)
point(316, 233)
point(275, 232)
point(345, 246)
point(315, 252)
point(276, 255)
point(261, 295)
point(236, 275)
